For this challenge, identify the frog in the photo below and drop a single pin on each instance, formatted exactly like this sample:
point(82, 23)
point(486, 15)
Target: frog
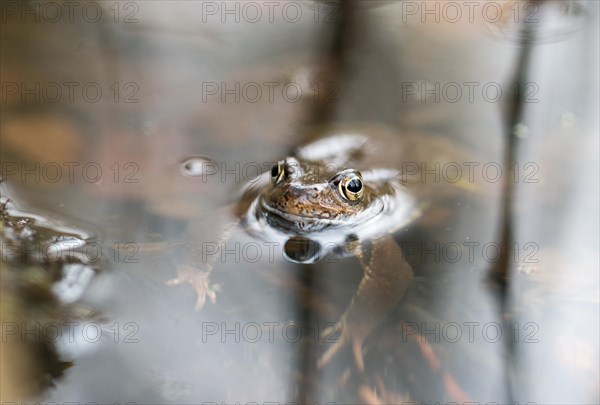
point(346, 191)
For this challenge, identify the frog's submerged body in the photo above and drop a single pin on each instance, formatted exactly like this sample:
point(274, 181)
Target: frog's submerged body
point(343, 190)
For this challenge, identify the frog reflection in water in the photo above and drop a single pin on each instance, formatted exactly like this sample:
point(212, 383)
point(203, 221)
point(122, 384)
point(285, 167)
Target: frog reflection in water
point(343, 190)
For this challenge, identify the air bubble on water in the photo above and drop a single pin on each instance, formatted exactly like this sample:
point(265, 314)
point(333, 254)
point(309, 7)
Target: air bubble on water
point(197, 166)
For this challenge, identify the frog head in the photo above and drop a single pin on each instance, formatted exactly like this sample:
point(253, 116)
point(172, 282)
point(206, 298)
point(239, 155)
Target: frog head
point(307, 195)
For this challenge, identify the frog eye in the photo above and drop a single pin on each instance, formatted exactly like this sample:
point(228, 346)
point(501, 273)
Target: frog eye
point(277, 172)
point(351, 187)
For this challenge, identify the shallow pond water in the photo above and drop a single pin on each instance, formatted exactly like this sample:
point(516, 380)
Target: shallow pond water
point(142, 127)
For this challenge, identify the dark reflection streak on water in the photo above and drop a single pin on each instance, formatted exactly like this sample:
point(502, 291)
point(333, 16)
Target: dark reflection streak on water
point(514, 116)
point(321, 114)
point(324, 110)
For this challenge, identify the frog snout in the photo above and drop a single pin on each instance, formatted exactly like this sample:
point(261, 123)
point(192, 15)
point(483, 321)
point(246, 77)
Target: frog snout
point(297, 198)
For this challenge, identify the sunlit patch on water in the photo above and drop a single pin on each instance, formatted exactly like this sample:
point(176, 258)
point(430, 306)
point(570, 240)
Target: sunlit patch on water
point(47, 266)
point(75, 279)
point(62, 253)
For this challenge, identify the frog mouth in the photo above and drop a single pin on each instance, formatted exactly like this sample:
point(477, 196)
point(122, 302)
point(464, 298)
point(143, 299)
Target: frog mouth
point(298, 223)
point(303, 224)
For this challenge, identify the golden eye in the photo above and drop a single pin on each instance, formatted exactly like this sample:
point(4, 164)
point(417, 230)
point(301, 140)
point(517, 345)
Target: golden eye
point(277, 172)
point(351, 187)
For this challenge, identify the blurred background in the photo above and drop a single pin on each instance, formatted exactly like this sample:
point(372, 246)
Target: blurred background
point(127, 129)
